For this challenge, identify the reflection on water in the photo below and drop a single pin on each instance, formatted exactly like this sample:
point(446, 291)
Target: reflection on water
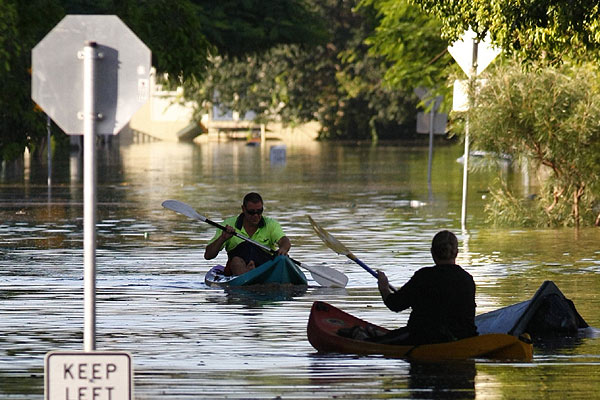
point(191, 341)
point(443, 380)
point(257, 296)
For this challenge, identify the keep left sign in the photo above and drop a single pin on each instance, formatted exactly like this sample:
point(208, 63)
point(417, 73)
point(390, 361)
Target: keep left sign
point(94, 375)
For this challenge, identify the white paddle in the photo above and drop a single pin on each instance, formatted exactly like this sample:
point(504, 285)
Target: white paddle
point(324, 276)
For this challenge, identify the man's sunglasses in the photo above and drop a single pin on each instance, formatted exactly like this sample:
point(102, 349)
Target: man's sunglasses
point(254, 212)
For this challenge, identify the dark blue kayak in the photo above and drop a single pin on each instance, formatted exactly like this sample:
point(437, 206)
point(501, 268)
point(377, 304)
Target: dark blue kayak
point(547, 314)
point(279, 270)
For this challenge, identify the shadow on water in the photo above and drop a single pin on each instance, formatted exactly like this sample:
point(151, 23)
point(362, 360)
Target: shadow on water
point(380, 377)
point(455, 380)
point(565, 344)
point(257, 296)
point(22, 383)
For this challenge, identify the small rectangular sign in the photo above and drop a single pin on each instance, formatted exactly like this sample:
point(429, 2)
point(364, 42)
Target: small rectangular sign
point(78, 375)
point(440, 121)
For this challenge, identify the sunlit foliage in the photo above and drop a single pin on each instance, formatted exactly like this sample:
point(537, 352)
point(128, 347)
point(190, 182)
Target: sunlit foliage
point(549, 29)
point(410, 41)
point(334, 81)
point(550, 117)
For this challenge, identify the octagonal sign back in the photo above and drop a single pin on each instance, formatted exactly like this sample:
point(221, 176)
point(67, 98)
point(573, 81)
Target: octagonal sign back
point(122, 72)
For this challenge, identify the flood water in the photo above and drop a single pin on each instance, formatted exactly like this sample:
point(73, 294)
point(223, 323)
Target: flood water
point(190, 341)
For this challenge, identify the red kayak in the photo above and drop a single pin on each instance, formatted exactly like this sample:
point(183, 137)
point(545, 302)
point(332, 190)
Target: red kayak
point(325, 320)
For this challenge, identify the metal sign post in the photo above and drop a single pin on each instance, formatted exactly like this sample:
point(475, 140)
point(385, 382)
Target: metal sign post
point(91, 91)
point(435, 105)
point(435, 125)
point(89, 195)
point(49, 152)
point(465, 187)
point(473, 56)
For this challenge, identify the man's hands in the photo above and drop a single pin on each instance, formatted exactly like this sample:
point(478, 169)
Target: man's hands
point(227, 233)
point(383, 284)
point(284, 246)
point(212, 250)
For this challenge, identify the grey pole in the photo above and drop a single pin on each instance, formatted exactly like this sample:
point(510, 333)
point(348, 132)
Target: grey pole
point(431, 122)
point(472, 78)
point(48, 123)
point(89, 196)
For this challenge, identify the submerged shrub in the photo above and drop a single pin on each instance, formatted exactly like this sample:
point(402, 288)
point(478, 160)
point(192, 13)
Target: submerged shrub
point(549, 116)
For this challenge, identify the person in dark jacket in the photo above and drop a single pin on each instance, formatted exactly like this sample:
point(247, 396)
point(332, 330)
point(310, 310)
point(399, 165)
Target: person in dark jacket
point(442, 299)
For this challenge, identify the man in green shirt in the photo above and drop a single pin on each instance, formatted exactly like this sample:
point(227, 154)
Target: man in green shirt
point(243, 256)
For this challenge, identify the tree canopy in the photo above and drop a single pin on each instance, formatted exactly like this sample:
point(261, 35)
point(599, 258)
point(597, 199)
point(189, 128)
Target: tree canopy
point(550, 29)
point(21, 27)
point(182, 34)
point(550, 117)
point(411, 42)
point(336, 81)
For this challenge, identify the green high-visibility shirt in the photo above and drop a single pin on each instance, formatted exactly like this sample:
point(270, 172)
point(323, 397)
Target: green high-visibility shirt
point(268, 233)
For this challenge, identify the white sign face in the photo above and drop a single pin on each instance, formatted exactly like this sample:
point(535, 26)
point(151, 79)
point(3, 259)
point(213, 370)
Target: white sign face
point(88, 376)
point(122, 72)
point(460, 96)
point(462, 51)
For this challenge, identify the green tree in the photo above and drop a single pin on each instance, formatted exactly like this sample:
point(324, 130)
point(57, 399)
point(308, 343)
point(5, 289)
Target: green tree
point(363, 106)
point(549, 116)
point(268, 83)
point(182, 34)
point(240, 27)
point(546, 116)
point(410, 41)
point(335, 81)
point(21, 28)
point(549, 29)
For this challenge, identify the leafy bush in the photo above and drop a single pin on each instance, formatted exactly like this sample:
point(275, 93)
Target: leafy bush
point(551, 117)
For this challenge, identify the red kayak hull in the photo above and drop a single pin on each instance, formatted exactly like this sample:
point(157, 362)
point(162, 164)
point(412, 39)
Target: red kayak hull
point(325, 320)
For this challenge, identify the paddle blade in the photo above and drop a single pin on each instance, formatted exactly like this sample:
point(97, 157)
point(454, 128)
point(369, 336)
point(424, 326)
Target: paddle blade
point(329, 240)
point(339, 248)
point(326, 276)
point(182, 208)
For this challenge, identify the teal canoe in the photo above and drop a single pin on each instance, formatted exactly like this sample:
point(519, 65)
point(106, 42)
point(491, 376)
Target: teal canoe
point(280, 270)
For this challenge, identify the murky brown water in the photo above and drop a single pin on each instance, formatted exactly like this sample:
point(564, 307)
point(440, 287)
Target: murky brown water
point(193, 342)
